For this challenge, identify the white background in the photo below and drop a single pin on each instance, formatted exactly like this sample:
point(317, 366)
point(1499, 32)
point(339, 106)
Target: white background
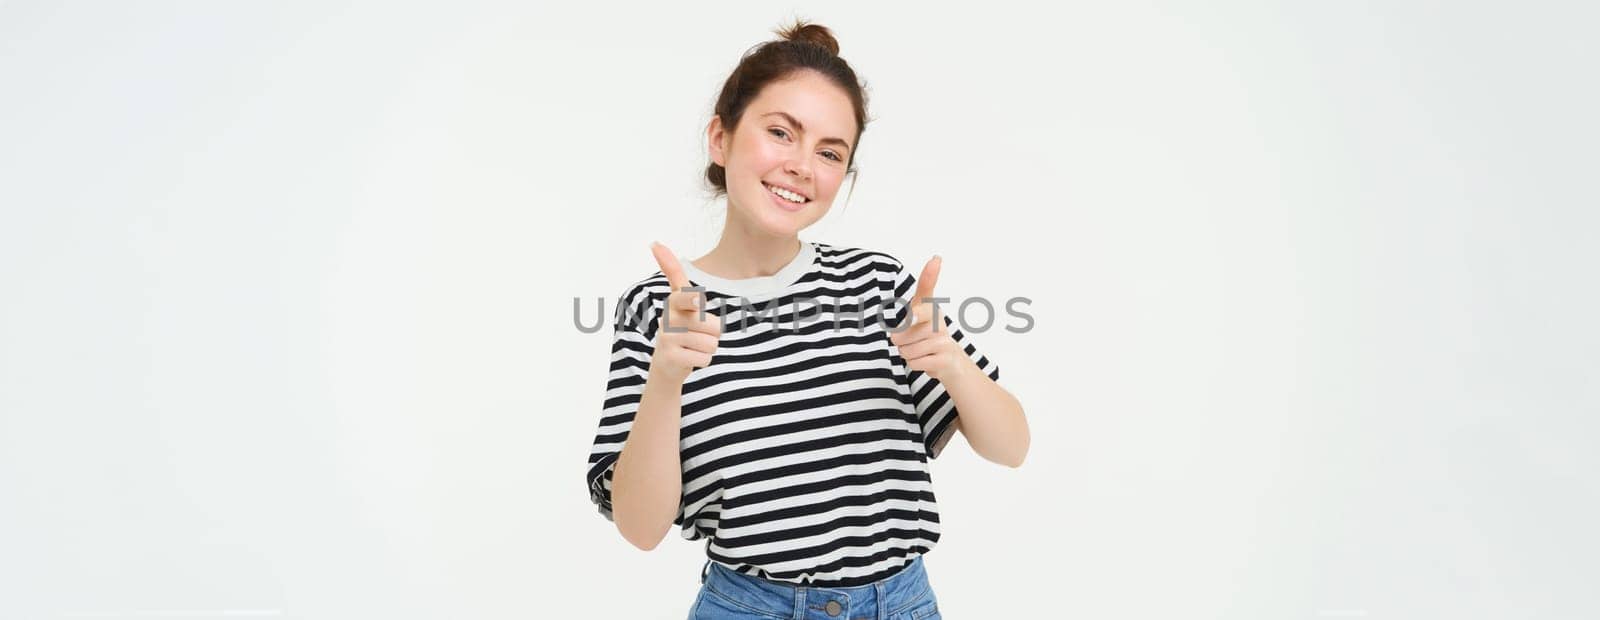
point(286, 299)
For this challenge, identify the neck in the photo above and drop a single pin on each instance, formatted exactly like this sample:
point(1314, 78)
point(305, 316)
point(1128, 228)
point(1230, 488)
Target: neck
point(746, 252)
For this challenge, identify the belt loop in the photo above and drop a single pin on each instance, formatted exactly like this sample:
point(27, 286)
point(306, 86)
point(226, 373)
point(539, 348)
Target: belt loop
point(883, 603)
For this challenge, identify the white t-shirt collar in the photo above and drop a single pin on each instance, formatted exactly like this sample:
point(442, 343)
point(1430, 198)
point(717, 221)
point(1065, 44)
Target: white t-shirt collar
point(759, 285)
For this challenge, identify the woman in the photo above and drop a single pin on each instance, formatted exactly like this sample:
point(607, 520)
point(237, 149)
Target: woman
point(772, 397)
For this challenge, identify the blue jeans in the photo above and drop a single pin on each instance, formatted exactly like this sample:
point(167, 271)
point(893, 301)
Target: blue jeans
point(726, 594)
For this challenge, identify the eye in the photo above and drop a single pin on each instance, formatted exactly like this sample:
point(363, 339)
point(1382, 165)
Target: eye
point(832, 155)
point(778, 131)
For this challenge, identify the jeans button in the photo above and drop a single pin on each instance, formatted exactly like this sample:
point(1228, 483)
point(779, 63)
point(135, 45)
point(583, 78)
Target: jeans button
point(834, 608)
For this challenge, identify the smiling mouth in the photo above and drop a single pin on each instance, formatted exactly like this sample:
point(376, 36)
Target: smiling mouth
point(786, 195)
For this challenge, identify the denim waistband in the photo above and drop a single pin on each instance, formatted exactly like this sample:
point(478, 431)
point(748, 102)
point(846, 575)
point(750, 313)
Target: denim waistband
point(878, 599)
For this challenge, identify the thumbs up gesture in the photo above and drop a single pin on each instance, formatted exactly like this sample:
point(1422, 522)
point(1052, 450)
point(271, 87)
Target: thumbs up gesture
point(688, 335)
point(927, 344)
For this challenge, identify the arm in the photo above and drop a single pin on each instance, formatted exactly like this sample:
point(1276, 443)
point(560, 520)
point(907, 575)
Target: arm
point(647, 486)
point(991, 417)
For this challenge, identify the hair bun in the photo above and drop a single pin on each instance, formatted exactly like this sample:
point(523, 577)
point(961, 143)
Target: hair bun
point(815, 34)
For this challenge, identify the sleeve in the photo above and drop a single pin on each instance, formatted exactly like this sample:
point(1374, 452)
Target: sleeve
point(630, 366)
point(936, 412)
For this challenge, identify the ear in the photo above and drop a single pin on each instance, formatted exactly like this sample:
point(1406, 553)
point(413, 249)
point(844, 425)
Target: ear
point(716, 141)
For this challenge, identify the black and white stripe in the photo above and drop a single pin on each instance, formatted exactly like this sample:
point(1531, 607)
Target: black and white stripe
point(804, 451)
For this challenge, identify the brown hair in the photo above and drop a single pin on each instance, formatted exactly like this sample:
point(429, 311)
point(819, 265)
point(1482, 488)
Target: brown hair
point(802, 46)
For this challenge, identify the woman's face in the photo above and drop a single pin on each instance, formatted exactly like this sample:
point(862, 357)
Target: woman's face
point(796, 135)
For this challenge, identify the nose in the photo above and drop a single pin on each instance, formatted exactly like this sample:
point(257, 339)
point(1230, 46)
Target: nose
point(798, 167)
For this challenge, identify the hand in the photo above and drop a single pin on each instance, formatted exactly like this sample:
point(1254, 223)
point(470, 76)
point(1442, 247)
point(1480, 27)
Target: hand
point(687, 336)
point(927, 345)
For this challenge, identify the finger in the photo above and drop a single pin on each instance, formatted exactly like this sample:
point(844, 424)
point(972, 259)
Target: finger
point(922, 321)
point(915, 333)
point(918, 350)
point(930, 277)
point(925, 363)
point(700, 341)
point(910, 315)
point(939, 326)
point(690, 358)
point(669, 266)
point(709, 324)
point(688, 302)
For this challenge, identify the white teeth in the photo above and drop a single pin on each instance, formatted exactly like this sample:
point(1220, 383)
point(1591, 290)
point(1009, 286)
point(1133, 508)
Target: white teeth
point(786, 194)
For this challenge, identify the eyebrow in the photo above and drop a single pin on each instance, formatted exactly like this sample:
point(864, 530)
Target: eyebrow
point(792, 121)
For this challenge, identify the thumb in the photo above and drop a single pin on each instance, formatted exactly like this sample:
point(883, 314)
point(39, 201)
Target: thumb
point(929, 278)
point(669, 266)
